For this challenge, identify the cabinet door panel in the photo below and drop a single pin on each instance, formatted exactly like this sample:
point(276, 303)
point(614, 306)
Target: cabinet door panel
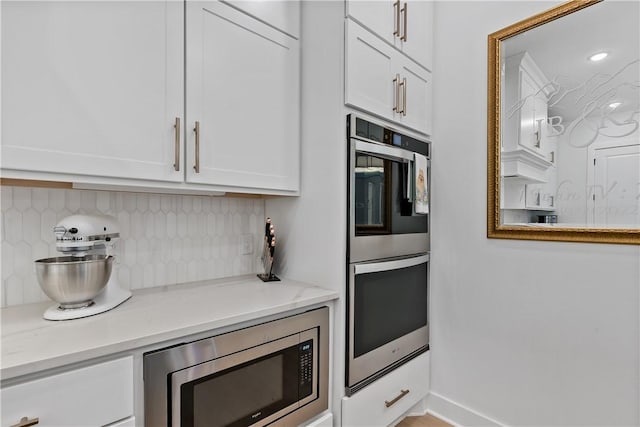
point(243, 88)
point(91, 396)
point(527, 98)
point(377, 15)
point(282, 14)
point(92, 88)
point(369, 76)
point(418, 97)
point(419, 32)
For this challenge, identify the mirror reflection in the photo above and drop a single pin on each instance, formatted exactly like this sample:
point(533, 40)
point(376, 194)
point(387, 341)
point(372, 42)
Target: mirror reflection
point(570, 112)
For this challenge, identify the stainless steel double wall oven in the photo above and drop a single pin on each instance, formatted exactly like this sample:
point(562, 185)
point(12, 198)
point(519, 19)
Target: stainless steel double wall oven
point(388, 249)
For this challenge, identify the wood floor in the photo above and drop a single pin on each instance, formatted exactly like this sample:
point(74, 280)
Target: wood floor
point(423, 421)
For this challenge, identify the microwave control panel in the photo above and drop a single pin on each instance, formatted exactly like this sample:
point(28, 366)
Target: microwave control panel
point(305, 350)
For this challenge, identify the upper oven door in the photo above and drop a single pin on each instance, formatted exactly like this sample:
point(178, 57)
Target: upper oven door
point(253, 387)
point(388, 193)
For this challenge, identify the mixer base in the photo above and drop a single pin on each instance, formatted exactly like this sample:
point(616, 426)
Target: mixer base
point(111, 298)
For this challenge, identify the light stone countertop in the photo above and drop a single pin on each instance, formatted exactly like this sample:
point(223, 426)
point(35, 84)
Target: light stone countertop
point(31, 344)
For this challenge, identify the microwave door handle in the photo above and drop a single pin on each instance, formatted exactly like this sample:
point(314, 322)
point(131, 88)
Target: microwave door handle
point(385, 151)
point(375, 267)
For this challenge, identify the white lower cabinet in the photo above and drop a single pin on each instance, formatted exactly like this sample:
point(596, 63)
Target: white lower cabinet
point(388, 398)
point(96, 395)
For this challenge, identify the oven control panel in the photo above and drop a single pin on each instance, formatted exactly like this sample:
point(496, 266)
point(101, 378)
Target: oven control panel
point(305, 350)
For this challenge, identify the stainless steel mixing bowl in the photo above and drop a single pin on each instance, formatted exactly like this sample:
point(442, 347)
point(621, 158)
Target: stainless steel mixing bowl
point(73, 281)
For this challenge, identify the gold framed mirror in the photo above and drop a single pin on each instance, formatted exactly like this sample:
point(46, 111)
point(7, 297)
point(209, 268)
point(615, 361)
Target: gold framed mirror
point(563, 117)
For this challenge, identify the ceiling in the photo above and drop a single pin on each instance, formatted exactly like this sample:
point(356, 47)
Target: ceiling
point(561, 48)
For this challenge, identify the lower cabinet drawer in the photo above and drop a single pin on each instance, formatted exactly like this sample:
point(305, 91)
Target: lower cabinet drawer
point(386, 399)
point(91, 396)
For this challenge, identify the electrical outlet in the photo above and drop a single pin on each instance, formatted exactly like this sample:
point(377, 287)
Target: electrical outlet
point(247, 244)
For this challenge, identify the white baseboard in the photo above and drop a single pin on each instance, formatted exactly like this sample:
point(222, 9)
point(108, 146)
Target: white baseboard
point(454, 413)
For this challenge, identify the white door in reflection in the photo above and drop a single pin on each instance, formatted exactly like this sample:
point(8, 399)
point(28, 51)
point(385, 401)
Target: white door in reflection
point(616, 186)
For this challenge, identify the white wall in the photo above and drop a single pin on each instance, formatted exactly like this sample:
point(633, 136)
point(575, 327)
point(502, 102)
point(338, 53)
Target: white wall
point(311, 229)
point(525, 333)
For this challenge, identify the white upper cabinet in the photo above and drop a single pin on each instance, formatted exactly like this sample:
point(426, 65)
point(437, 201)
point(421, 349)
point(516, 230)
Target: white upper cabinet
point(283, 15)
point(243, 92)
point(525, 108)
point(92, 88)
point(96, 92)
point(407, 25)
point(525, 134)
point(381, 80)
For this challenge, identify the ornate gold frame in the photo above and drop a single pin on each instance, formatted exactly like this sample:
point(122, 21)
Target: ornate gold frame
point(494, 229)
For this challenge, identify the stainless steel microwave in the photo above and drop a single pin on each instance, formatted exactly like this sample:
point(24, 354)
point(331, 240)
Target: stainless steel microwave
point(275, 373)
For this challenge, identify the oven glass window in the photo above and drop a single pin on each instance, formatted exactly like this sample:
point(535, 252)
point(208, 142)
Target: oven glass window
point(388, 305)
point(244, 394)
point(371, 193)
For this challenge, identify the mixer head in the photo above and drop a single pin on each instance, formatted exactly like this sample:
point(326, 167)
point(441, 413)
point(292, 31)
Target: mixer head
point(78, 234)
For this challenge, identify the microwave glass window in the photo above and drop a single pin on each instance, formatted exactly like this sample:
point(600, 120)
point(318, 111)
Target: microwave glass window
point(388, 305)
point(370, 192)
point(244, 394)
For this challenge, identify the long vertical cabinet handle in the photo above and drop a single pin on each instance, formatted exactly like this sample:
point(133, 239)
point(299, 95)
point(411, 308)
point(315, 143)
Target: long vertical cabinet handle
point(176, 126)
point(396, 94)
point(396, 9)
point(403, 84)
point(196, 167)
point(404, 33)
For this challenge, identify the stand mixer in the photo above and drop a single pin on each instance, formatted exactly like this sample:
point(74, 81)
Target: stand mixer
point(82, 281)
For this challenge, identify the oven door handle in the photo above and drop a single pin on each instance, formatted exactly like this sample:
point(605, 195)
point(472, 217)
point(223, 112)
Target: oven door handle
point(385, 151)
point(374, 267)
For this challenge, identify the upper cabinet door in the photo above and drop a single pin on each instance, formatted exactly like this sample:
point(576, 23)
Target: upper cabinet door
point(92, 88)
point(382, 81)
point(416, 31)
point(378, 17)
point(416, 87)
point(407, 25)
point(370, 82)
point(243, 92)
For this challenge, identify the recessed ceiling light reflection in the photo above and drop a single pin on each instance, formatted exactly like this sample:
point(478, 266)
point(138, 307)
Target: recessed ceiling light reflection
point(598, 56)
point(615, 105)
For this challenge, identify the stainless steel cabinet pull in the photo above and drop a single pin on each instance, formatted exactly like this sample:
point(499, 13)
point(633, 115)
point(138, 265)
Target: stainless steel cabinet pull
point(196, 167)
point(396, 94)
point(403, 84)
point(404, 10)
point(396, 9)
point(176, 165)
point(26, 422)
point(402, 394)
point(553, 157)
point(538, 132)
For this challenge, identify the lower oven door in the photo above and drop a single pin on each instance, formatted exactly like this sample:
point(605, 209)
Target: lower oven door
point(253, 387)
point(387, 316)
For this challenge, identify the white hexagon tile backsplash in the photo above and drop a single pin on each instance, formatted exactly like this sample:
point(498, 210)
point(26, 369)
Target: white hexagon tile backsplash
point(164, 239)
